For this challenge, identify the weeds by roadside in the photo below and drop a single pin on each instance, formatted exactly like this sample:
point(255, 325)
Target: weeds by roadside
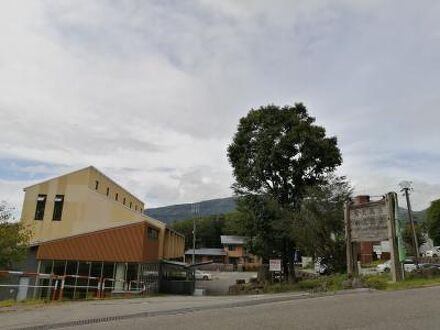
point(340, 282)
point(12, 302)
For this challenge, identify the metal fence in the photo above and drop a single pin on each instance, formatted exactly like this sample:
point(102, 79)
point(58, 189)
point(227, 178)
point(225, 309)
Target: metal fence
point(138, 279)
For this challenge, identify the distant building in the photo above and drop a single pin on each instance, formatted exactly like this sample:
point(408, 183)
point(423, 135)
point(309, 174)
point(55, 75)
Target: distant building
point(236, 253)
point(204, 255)
point(233, 253)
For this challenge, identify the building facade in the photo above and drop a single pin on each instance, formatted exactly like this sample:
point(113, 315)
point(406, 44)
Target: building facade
point(91, 234)
point(85, 201)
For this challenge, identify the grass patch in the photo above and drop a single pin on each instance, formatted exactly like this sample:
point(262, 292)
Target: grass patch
point(12, 302)
point(378, 282)
point(280, 287)
point(7, 303)
point(340, 282)
point(320, 284)
point(411, 283)
point(373, 264)
point(383, 282)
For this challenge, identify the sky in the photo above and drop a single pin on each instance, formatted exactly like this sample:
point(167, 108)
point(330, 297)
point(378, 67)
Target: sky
point(151, 92)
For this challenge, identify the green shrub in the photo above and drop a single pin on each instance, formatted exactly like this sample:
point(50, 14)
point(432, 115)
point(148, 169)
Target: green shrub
point(424, 273)
point(280, 287)
point(311, 284)
point(335, 282)
point(376, 282)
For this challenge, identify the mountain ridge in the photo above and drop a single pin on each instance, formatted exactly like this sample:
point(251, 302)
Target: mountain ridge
point(180, 212)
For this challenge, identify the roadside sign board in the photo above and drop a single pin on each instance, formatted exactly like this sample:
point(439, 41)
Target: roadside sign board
point(372, 222)
point(369, 222)
point(275, 265)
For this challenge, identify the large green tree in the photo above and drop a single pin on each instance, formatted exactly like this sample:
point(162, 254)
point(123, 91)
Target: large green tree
point(277, 154)
point(320, 230)
point(408, 237)
point(13, 238)
point(433, 221)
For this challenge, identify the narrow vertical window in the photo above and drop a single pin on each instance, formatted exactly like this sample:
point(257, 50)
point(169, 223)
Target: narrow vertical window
point(152, 234)
point(41, 204)
point(96, 185)
point(58, 207)
point(135, 207)
point(123, 201)
point(130, 204)
point(116, 196)
point(108, 191)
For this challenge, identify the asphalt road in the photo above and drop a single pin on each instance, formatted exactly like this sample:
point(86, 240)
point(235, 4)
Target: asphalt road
point(413, 309)
point(410, 309)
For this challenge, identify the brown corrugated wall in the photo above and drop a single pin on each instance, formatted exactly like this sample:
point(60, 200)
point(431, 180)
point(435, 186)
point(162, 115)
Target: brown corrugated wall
point(127, 243)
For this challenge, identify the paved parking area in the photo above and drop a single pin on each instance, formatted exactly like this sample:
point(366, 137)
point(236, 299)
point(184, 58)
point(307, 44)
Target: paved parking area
point(221, 282)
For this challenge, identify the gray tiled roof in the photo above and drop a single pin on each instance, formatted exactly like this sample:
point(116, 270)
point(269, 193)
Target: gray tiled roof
point(207, 252)
point(231, 239)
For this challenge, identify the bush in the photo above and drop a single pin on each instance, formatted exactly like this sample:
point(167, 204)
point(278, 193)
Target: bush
point(311, 284)
point(280, 287)
point(424, 273)
point(376, 282)
point(336, 282)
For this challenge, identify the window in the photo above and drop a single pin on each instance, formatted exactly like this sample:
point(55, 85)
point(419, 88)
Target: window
point(123, 201)
point(58, 207)
point(41, 204)
point(96, 184)
point(108, 191)
point(130, 204)
point(231, 247)
point(116, 196)
point(152, 234)
point(135, 207)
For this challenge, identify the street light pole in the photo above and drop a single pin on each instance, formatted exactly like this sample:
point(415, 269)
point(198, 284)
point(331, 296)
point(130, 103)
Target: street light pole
point(195, 212)
point(406, 186)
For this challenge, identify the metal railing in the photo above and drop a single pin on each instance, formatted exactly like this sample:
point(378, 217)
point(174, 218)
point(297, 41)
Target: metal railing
point(57, 284)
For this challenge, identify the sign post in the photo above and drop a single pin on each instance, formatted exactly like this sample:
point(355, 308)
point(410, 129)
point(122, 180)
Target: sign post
point(372, 222)
point(275, 265)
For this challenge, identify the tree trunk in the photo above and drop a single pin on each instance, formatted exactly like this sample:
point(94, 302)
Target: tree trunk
point(292, 276)
point(285, 259)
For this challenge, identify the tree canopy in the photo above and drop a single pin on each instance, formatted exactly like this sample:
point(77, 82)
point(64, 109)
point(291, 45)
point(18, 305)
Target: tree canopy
point(320, 229)
point(279, 151)
point(209, 229)
point(433, 221)
point(277, 155)
point(13, 238)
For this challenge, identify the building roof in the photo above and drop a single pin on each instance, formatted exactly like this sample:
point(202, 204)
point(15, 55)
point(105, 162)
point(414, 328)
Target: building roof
point(232, 239)
point(206, 252)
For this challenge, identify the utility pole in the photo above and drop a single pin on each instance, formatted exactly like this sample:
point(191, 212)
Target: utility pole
point(195, 209)
point(405, 188)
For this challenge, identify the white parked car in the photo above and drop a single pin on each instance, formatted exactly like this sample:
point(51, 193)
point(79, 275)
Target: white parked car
point(434, 252)
point(201, 275)
point(408, 265)
point(384, 268)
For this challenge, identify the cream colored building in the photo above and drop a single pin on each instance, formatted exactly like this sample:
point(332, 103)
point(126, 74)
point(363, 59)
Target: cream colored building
point(84, 201)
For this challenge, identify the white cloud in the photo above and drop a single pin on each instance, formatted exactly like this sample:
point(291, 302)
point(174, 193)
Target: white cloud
point(151, 92)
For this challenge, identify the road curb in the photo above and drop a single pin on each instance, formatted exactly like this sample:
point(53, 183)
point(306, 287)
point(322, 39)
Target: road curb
point(185, 310)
